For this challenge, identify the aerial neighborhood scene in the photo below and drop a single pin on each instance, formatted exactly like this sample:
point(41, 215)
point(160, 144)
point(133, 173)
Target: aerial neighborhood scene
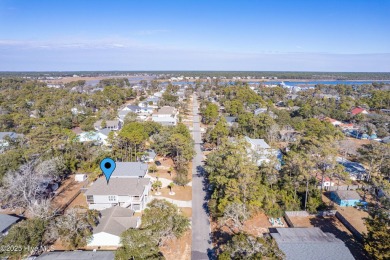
point(194, 130)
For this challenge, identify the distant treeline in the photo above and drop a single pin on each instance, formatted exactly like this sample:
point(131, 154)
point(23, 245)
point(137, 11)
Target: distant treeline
point(227, 74)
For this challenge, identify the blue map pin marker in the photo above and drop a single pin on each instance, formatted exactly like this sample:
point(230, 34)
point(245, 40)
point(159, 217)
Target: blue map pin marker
point(108, 166)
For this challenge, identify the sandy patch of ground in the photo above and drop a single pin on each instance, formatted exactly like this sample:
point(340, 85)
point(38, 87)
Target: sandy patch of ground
point(351, 214)
point(163, 174)
point(186, 212)
point(355, 217)
point(65, 194)
point(79, 201)
point(181, 193)
point(178, 249)
point(257, 225)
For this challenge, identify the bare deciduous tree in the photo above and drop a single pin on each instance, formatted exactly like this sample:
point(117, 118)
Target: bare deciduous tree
point(25, 186)
point(21, 187)
point(235, 215)
point(272, 133)
point(42, 210)
point(75, 227)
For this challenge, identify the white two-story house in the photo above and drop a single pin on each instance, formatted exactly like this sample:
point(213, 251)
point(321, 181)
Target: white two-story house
point(260, 152)
point(110, 124)
point(126, 188)
point(143, 112)
point(124, 192)
point(166, 116)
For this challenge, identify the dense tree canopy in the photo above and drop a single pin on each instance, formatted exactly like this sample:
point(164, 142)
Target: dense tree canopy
point(160, 223)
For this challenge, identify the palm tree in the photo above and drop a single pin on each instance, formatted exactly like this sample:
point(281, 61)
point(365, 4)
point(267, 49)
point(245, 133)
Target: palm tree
point(170, 186)
point(156, 186)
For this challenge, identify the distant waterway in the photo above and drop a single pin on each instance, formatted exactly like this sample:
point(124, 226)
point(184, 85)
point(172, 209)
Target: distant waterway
point(303, 83)
point(330, 82)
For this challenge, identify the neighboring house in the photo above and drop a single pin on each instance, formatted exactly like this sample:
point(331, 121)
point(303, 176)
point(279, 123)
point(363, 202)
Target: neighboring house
point(110, 124)
point(327, 96)
point(34, 114)
point(10, 135)
point(112, 223)
point(386, 140)
point(77, 255)
point(345, 127)
point(150, 156)
point(295, 108)
point(98, 138)
point(327, 181)
point(132, 108)
point(142, 112)
point(386, 111)
point(166, 116)
point(288, 134)
point(181, 95)
point(158, 94)
point(261, 152)
point(76, 111)
point(358, 110)
point(6, 222)
point(260, 110)
point(333, 121)
point(166, 111)
point(147, 110)
point(360, 134)
point(125, 192)
point(345, 198)
point(152, 101)
point(292, 96)
point(310, 243)
point(356, 170)
point(231, 120)
point(130, 170)
point(122, 114)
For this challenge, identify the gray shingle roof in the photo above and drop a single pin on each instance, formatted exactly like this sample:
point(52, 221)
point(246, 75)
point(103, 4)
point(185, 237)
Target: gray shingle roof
point(130, 169)
point(105, 131)
point(116, 220)
point(109, 123)
point(260, 143)
point(347, 195)
point(123, 113)
point(230, 119)
point(6, 221)
point(78, 255)
point(310, 243)
point(12, 135)
point(118, 186)
point(166, 110)
point(133, 107)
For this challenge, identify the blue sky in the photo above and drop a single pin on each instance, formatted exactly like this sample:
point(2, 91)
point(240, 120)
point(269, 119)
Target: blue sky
point(195, 35)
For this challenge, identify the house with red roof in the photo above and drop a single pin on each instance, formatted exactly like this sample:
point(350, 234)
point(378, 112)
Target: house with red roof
point(327, 181)
point(332, 121)
point(358, 110)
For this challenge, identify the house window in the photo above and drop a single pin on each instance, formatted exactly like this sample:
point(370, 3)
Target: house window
point(111, 198)
point(90, 198)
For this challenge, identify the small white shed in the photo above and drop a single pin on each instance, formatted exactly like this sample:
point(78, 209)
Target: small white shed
point(80, 177)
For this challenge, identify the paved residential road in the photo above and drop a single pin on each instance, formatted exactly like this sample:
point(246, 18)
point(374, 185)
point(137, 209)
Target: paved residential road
point(201, 245)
